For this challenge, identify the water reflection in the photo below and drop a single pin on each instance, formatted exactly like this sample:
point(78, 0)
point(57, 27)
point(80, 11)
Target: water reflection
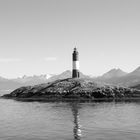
point(77, 133)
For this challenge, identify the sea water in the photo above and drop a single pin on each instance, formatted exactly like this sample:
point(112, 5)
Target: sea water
point(69, 120)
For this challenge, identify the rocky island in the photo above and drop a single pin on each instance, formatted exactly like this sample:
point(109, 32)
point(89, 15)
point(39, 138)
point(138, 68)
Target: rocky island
point(75, 88)
point(72, 89)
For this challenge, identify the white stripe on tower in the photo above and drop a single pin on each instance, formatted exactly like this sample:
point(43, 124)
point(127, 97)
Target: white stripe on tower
point(76, 65)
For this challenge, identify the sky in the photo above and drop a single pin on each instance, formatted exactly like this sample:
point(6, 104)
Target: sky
point(38, 36)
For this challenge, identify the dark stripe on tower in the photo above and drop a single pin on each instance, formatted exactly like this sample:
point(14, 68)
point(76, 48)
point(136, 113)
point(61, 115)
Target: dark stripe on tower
point(75, 74)
point(75, 56)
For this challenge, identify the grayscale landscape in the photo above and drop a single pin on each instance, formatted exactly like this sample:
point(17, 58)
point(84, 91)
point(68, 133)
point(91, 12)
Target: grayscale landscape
point(69, 70)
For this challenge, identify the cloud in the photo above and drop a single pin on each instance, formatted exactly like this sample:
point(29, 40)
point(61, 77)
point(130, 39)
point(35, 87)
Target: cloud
point(5, 60)
point(50, 59)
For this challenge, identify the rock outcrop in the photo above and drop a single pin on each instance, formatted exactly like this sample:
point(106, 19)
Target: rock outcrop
point(73, 89)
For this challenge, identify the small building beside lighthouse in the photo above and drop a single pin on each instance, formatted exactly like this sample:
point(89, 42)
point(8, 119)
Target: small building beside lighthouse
point(75, 59)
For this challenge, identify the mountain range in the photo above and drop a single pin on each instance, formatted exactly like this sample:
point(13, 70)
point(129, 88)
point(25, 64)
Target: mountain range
point(114, 77)
point(119, 77)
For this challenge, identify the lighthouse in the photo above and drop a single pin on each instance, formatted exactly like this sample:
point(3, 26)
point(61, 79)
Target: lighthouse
point(75, 59)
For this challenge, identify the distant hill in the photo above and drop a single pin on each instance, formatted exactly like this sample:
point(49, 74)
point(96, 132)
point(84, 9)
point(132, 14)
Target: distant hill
point(33, 80)
point(136, 72)
point(63, 75)
point(114, 77)
point(114, 73)
point(66, 74)
point(131, 79)
point(6, 84)
point(11, 84)
point(118, 77)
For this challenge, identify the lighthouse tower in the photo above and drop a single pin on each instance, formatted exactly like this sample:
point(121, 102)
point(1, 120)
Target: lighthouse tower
point(75, 58)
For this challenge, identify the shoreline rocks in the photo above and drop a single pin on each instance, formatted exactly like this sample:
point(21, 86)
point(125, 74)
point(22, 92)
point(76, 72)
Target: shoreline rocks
point(84, 89)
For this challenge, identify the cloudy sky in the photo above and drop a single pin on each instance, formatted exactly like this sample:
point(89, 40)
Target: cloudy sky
point(38, 36)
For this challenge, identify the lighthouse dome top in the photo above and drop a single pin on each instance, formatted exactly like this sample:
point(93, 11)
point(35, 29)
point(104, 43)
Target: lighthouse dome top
point(75, 49)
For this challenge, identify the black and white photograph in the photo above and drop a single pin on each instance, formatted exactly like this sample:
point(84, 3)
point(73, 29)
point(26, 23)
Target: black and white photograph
point(69, 69)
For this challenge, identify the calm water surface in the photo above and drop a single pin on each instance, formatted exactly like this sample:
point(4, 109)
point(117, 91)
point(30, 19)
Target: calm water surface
point(69, 121)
